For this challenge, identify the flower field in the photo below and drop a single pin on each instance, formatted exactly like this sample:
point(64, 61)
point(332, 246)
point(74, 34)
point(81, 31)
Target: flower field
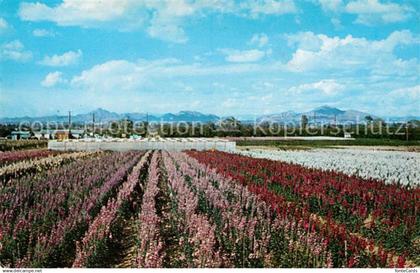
point(14, 145)
point(390, 166)
point(9, 157)
point(200, 209)
point(29, 164)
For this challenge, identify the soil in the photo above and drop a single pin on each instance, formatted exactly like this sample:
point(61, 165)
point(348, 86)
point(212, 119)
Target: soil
point(128, 243)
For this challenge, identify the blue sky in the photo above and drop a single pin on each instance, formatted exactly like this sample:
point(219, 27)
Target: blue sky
point(223, 57)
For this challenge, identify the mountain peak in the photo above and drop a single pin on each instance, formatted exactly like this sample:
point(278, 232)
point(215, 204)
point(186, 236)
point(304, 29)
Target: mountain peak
point(192, 113)
point(327, 110)
point(325, 106)
point(100, 110)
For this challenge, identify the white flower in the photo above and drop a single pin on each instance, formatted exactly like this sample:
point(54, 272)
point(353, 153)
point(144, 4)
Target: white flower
point(389, 166)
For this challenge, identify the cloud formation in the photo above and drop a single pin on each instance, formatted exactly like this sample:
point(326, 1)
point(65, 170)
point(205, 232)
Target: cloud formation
point(370, 12)
point(125, 75)
point(3, 25)
point(243, 56)
point(161, 19)
point(257, 8)
point(39, 32)
point(321, 52)
point(15, 51)
point(53, 79)
point(327, 87)
point(260, 40)
point(66, 59)
point(331, 5)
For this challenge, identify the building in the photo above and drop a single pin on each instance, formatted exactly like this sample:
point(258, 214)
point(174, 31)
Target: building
point(16, 135)
point(44, 134)
point(77, 133)
point(64, 134)
point(120, 144)
point(135, 136)
point(61, 135)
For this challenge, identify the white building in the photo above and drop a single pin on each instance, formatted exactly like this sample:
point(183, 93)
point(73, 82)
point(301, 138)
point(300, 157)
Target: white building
point(43, 134)
point(15, 135)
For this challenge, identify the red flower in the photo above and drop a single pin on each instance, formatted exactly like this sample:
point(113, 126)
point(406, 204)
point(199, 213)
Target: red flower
point(401, 262)
point(352, 262)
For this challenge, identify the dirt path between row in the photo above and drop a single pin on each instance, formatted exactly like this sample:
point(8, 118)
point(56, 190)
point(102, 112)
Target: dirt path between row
point(129, 248)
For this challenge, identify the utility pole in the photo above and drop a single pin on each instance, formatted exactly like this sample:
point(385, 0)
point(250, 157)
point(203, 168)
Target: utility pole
point(406, 131)
point(93, 123)
point(69, 123)
point(314, 118)
point(147, 124)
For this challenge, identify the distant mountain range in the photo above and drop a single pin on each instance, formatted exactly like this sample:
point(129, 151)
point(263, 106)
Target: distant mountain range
point(323, 114)
point(103, 116)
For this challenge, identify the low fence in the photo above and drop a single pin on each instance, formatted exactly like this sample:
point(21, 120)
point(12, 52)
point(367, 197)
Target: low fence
point(168, 144)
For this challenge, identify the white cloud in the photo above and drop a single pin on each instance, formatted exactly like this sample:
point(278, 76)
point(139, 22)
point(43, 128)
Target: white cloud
point(327, 87)
point(68, 58)
point(243, 56)
point(320, 52)
point(76, 12)
point(15, 51)
point(168, 18)
point(88, 13)
point(182, 86)
point(396, 102)
point(304, 41)
point(408, 93)
point(269, 7)
point(42, 33)
point(125, 75)
point(171, 33)
point(119, 74)
point(163, 19)
point(259, 40)
point(53, 79)
point(336, 23)
point(230, 103)
point(3, 24)
point(370, 12)
point(331, 5)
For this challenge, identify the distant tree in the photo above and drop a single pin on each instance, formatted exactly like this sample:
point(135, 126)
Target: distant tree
point(379, 122)
point(368, 119)
point(230, 124)
point(127, 125)
point(6, 130)
point(414, 123)
point(304, 121)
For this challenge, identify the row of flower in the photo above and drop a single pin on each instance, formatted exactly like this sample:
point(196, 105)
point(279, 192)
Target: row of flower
point(21, 144)
point(203, 209)
point(12, 156)
point(247, 232)
point(25, 167)
point(43, 213)
point(196, 238)
point(99, 231)
point(150, 242)
point(389, 166)
point(191, 216)
point(359, 218)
